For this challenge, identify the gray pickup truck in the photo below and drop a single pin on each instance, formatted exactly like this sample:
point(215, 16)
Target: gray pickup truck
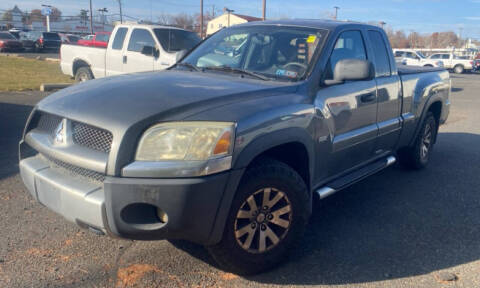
point(231, 146)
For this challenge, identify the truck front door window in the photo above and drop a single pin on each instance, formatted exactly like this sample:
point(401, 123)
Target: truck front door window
point(349, 45)
point(139, 39)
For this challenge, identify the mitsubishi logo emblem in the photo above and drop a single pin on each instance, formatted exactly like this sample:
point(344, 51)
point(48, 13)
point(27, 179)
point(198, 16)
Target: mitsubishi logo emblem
point(61, 132)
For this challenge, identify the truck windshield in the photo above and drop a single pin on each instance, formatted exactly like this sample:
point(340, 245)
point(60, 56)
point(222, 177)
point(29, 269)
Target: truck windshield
point(273, 51)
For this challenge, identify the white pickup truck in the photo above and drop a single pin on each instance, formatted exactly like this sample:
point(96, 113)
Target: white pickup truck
point(415, 58)
point(131, 48)
point(452, 61)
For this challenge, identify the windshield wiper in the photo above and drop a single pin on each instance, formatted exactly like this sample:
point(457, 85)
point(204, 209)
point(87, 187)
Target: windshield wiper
point(186, 64)
point(240, 71)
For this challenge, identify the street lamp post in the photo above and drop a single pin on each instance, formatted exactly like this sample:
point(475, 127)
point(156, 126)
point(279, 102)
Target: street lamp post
point(382, 23)
point(336, 12)
point(48, 17)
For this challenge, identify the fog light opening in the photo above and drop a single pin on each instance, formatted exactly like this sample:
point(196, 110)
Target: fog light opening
point(162, 216)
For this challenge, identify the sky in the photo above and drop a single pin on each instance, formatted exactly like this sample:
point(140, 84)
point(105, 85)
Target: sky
point(425, 16)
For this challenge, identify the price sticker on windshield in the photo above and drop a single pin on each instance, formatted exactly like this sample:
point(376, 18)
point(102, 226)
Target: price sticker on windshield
point(311, 38)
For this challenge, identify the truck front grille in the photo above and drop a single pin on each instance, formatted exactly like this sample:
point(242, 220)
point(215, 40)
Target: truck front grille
point(92, 137)
point(83, 134)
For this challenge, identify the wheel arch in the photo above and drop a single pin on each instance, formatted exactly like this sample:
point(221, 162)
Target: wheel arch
point(77, 64)
point(271, 145)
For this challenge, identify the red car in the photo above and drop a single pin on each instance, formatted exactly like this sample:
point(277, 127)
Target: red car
point(9, 43)
point(100, 39)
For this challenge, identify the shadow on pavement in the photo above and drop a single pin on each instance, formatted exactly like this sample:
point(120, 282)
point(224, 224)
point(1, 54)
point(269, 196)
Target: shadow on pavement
point(12, 123)
point(395, 224)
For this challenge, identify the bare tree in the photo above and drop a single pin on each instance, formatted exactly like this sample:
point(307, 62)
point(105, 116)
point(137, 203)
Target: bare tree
point(165, 19)
point(184, 21)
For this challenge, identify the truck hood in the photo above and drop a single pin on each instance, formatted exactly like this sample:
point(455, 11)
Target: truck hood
point(121, 101)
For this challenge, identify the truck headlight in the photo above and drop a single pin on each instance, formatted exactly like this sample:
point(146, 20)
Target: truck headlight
point(186, 141)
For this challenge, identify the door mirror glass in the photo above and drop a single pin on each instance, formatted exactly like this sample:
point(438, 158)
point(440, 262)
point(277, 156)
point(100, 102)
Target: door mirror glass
point(351, 70)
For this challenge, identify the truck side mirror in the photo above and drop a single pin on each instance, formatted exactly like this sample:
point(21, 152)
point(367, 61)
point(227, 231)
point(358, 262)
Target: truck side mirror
point(351, 70)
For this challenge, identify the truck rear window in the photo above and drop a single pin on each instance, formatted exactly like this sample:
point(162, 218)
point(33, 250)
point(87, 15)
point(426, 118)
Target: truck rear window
point(51, 36)
point(173, 40)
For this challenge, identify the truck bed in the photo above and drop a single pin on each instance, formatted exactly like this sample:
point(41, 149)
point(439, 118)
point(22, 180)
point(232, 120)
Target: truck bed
point(405, 70)
point(94, 57)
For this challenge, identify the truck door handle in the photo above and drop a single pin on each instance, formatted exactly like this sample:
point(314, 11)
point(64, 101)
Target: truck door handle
point(124, 59)
point(368, 97)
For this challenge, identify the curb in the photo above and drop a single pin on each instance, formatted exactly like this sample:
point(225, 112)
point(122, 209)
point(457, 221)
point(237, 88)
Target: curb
point(53, 86)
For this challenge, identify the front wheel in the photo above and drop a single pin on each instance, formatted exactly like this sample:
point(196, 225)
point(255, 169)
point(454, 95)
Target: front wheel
point(268, 215)
point(458, 69)
point(83, 74)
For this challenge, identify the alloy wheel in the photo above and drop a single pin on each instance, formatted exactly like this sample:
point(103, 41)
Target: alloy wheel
point(259, 228)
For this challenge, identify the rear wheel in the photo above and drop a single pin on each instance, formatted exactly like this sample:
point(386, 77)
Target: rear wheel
point(83, 74)
point(417, 156)
point(458, 69)
point(268, 215)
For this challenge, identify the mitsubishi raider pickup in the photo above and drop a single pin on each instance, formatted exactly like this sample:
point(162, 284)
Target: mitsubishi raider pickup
point(230, 147)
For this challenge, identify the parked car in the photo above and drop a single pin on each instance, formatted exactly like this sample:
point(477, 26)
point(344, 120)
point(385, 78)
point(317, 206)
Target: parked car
point(415, 58)
point(69, 38)
point(38, 41)
point(8, 43)
point(133, 48)
point(476, 65)
point(229, 150)
point(453, 62)
point(100, 39)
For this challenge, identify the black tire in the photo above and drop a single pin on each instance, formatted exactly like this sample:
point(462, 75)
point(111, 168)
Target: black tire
point(267, 174)
point(83, 74)
point(459, 69)
point(429, 65)
point(416, 157)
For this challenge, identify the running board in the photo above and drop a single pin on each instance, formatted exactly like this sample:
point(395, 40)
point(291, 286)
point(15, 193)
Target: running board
point(354, 177)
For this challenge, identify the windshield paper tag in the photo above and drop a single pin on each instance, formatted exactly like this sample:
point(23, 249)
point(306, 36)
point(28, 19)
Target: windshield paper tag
point(311, 38)
point(289, 74)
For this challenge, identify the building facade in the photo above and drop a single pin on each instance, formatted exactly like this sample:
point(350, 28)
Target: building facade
point(227, 20)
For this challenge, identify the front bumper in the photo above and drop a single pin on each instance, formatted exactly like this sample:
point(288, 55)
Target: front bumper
point(127, 207)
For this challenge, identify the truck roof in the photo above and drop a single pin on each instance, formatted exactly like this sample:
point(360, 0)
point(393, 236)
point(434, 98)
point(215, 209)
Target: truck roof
point(312, 23)
point(148, 26)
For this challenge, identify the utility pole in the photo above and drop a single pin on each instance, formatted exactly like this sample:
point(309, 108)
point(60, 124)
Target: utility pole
point(382, 24)
point(120, 5)
point(103, 11)
point(91, 18)
point(336, 11)
point(264, 14)
point(228, 11)
point(201, 19)
point(213, 11)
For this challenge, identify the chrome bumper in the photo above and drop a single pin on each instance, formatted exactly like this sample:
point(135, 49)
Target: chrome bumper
point(77, 200)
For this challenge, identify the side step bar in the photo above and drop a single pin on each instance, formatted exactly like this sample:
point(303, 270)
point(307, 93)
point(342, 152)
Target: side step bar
point(354, 177)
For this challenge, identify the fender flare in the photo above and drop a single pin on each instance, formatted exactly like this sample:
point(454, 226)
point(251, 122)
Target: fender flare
point(241, 161)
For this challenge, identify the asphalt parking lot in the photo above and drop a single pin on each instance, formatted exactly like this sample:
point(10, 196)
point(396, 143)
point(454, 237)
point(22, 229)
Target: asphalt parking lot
point(396, 229)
